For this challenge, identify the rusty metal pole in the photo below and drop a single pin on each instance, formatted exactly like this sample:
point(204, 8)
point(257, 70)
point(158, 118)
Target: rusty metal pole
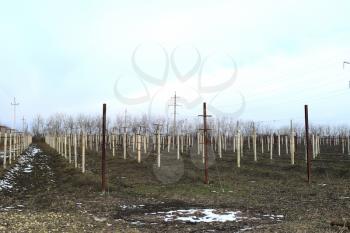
point(307, 144)
point(103, 145)
point(205, 135)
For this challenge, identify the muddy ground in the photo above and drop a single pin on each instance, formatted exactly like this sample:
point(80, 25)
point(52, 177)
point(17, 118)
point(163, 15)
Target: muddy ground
point(44, 193)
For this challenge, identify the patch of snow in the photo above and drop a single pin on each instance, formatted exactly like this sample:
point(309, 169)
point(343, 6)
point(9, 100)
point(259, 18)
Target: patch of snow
point(201, 215)
point(23, 165)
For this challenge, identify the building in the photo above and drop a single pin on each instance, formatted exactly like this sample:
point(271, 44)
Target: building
point(4, 129)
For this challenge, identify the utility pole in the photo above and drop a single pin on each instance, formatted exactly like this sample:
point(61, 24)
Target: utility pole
point(174, 105)
point(14, 104)
point(205, 141)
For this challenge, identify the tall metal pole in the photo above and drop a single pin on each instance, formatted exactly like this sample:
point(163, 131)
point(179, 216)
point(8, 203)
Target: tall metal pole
point(307, 144)
point(205, 143)
point(174, 105)
point(14, 104)
point(103, 145)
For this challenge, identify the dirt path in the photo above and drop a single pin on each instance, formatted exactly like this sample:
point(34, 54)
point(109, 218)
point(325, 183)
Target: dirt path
point(29, 175)
point(37, 197)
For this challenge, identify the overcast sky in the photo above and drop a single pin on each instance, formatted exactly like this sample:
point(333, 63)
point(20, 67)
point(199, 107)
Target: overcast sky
point(271, 57)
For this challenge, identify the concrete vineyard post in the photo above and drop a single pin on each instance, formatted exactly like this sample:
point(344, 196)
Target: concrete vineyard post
point(198, 144)
point(348, 145)
point(242, 145)
point(178, 147)
point(145, 143)
point(219, 146)
point(10, 150)
point(75, 151)
point(70, 148)
point(238, 149)
point(65, 146)
point(271, 146)
point(124, 145)
point(59, 144)
point(83, 154)
point(234, 143)
point(313, 146)
point(279, 145)
point(96, 142)
point(254, 145)
point(286, 141)
point(249, 143)
point(292, 148)
point(158, 147)
point(225, 142)
point(182, 143)
point(113, 145)
point(138, 148)
point(5, 150)
point(169, 143)
point(262, 144)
